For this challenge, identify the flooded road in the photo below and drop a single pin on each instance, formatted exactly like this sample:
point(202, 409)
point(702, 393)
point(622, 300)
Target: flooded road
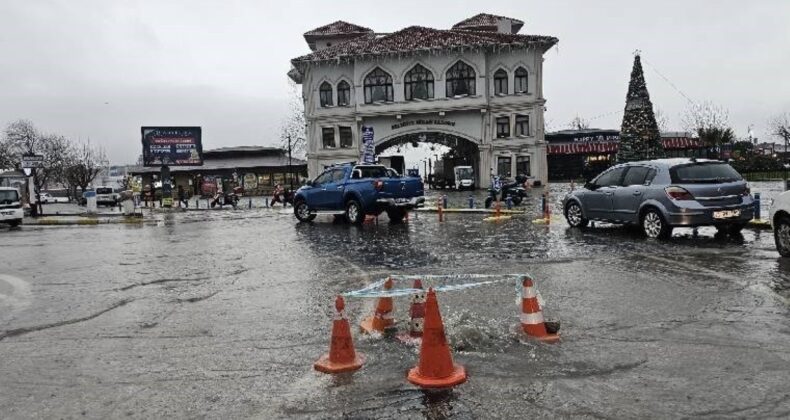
point(221, 314)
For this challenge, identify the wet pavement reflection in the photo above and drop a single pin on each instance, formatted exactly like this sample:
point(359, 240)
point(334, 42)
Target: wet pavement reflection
point(222, 314)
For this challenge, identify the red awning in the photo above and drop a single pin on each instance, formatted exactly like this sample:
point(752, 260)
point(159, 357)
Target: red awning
point(611, 147)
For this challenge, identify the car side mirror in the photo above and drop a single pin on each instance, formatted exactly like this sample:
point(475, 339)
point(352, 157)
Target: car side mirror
point(590, 186)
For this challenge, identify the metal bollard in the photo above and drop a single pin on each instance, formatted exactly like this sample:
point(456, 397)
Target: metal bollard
point(266, 202)
point(509, 202)
point(249, 203)
point(471, 201)
point(439, 209)
point(757, 206)
point(444, 201)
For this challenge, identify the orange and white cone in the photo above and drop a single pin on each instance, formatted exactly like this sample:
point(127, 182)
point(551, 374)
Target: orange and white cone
point(416, 315)
point(435, 368)
point(531, 316)
point(341, 357)
point(381, 321)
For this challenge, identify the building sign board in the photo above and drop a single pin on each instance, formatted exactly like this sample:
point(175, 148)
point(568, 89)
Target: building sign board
point(172, 146)
point(32, 161)
point(410, 123)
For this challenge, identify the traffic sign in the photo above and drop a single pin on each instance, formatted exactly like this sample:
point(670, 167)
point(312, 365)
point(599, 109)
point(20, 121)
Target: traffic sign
point(32, 161)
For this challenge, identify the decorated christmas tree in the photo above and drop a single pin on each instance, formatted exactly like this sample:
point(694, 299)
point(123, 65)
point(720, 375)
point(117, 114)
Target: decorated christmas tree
point(639, 135)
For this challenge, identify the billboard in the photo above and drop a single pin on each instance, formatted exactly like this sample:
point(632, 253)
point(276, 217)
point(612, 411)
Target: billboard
point(172, 146)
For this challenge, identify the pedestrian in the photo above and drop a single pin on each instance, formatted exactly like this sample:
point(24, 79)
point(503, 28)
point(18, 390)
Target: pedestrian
point(182, 197)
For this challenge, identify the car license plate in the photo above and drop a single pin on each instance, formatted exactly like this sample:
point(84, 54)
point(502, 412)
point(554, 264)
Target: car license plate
point(8, 213)
point(726, 214)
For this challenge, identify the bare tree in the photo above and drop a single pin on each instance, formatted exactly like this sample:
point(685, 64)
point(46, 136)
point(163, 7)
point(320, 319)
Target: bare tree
point(662, 120)
point(84, 164)
point(579, 123)
point(780, 126)
point(710, 123)
point(293, 125)
point(7, 160)
point(22, 138)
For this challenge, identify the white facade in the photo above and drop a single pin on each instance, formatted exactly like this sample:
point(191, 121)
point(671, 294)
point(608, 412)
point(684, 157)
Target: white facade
point(472, 118)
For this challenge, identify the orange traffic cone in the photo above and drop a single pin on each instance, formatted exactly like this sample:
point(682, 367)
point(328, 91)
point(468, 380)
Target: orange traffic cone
point(381, 320)
point(417, 311)
point(341, 357)
point(417, 315)
point(436, 368)
point(531, 316)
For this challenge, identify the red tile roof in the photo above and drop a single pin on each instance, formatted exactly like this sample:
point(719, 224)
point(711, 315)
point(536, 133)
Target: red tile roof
point(418, 38)
point(338, 28)
point(484, 20)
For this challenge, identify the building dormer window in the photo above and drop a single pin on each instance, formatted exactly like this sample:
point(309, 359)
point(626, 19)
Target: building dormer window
point(500, 82)
point(325, 94)
point(418, 83)
point(378, 86)
point(343, 93)
point(521, 80)
point(460, 80)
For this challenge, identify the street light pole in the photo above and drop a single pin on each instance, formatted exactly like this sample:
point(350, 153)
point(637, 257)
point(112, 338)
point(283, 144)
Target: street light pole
point(290, 170)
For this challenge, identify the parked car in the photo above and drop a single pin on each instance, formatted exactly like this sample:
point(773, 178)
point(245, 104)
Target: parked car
point(10, 207)
point(107, 196)
point(358, 190)
point(47, 198)
point(661, 194)
point(779, 215)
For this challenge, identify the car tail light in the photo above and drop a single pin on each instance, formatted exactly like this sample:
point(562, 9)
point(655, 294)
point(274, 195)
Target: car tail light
point(677, 193)
point(378, 184)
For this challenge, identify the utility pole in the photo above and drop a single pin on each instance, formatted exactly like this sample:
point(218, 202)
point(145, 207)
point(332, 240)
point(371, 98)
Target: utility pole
point(290, 170)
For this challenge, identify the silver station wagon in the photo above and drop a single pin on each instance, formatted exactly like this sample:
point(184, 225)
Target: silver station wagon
point(661, 194)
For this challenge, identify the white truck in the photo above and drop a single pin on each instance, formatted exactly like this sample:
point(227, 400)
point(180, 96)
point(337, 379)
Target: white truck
point(464, 178)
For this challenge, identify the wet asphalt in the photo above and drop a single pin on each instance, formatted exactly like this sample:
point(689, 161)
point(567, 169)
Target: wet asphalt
point(221, 314)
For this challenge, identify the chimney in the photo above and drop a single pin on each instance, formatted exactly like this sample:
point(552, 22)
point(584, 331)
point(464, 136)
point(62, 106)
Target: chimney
point(504, 26)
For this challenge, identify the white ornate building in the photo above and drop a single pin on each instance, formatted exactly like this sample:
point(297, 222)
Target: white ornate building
point(476, 88)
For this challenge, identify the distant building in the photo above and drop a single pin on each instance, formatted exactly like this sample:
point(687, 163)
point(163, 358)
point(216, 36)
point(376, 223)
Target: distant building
point(476, 88)
point(584, 153)
point(257, 169)
point(14, 179)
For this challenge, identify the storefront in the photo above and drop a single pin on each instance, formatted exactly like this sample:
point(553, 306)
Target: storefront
point(255, 169)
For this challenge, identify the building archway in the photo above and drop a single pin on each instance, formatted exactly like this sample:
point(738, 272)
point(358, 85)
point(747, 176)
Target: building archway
point(461, 151)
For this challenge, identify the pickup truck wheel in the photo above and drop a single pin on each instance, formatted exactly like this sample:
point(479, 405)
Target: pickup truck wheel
point(396, 215)
point(354, 212)
point(302, 212)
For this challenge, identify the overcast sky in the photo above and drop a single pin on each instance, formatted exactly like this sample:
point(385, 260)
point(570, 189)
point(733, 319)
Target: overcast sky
point(100, 69)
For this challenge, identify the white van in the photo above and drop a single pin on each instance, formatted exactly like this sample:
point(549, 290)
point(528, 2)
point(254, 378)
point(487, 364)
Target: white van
point(10, 206)
point(107, 196)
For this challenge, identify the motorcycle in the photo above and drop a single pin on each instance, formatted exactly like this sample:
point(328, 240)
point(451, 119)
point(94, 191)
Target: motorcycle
point(514, 190)
point(224, 199)
point(285, 197)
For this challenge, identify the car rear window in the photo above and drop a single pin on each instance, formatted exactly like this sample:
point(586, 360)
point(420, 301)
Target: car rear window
point(373, 171)
point(103, 190)
point(704, 173)
point(8, 196)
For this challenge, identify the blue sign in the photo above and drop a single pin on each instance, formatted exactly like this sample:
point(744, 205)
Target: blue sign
point(368, 149)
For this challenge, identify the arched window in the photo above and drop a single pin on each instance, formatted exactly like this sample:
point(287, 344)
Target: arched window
point(378, 86)
point(325, 93)
point(521, 80)
point(418, 83)
point(500, 82)
point(343, 93)
point(460, 80)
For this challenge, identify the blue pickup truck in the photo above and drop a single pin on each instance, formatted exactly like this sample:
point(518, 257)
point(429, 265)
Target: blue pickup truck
point(354, 191)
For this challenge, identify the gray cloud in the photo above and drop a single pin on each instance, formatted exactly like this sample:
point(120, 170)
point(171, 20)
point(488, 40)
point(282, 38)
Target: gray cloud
point(222, 64)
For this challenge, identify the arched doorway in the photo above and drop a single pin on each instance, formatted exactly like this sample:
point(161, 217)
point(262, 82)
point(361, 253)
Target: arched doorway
point(452, 151)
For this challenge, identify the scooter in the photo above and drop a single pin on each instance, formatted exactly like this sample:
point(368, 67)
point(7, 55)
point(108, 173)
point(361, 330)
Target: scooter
point(515, 190)
point(223, 199)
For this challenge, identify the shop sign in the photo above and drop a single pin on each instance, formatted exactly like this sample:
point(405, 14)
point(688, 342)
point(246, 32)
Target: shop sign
point(423, 122)
point(250, 181)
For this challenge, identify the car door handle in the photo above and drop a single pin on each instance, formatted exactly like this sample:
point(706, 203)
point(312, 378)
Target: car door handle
point(340, 187)
point(609, 193)
point(637, 192)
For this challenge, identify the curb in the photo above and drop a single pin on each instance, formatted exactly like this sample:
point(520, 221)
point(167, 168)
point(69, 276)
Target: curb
point(82, 222)
point(470, 211)
point(759, 224)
